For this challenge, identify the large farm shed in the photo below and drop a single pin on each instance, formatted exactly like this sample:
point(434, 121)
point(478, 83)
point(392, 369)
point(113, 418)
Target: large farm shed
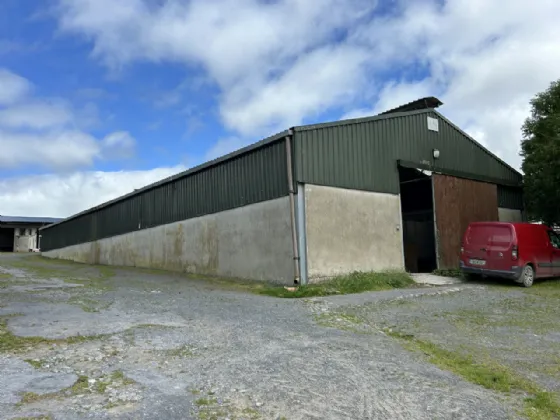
point(391, 191)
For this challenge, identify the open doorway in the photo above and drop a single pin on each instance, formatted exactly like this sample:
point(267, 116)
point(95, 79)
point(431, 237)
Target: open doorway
point(7, 239)
point(418, 221)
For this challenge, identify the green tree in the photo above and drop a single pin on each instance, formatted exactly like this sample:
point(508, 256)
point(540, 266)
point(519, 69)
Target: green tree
point(540, 149)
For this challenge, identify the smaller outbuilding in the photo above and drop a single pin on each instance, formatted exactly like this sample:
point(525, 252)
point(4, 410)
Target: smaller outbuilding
point(19, 234)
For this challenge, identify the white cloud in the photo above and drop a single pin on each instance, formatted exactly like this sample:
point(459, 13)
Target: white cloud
point(119, 143)
point(64, 195)
point(242, 44)
point(12, 87)
point(61, 150)
point(325, 77)
point(47, 132)
point(485, 62)
point(284, 61)
point(35, 115)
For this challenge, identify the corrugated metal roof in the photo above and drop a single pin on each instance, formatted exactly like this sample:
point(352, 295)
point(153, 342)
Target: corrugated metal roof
point(23, 219)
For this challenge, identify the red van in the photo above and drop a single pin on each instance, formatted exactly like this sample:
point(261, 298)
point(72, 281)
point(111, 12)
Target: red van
point(521, 252)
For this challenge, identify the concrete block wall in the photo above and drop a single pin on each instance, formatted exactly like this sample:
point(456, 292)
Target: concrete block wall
point(510, 215)
point(251, 242)
point(349, 230)
point(25, 239)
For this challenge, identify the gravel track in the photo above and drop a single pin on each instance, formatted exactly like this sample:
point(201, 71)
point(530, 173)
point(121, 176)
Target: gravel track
point(176, 348)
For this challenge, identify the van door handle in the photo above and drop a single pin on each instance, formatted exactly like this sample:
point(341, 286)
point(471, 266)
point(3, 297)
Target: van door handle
point(483, 249)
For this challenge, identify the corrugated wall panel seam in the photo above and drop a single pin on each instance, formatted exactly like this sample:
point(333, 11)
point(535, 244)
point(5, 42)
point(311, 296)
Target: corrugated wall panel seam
point(251, 178)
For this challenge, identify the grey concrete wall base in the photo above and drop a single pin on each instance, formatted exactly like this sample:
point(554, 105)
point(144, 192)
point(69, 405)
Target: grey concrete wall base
point(349, 230)
point(251, 242)
point(510, 215)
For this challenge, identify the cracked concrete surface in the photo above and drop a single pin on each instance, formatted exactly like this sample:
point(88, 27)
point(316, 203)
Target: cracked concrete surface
point(188, 349)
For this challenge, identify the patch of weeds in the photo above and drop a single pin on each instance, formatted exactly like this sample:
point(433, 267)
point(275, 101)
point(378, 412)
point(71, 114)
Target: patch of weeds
point(183, 352)
point(4, 284)
point(546, 289)
point(119, 376)
point(10, 343)
point(491, 375)
point(209, 409)
point(472, 316)
point(112, 404)
point(37, 364)
point(5, 276)
point(339, 320)
point(536, 315)
point(116, 379)
point(40, 417)
point(31, 397)
point(87, 304)
point(250, 413)
point(203, 401)
point(450, 272)
point(356, 282)
point(80, 387)
point(542, 406)
point(68, 271)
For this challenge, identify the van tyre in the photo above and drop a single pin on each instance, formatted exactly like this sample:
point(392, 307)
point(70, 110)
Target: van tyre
point(527, 276)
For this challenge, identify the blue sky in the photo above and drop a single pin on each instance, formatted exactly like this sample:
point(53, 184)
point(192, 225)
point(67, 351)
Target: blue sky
point(99, 97)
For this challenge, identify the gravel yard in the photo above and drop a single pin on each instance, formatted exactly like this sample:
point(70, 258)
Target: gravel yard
point(80, 341)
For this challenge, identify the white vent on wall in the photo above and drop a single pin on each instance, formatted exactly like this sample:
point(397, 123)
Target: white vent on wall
point(433, 124)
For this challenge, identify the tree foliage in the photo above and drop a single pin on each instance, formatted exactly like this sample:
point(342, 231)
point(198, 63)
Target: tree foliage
point(540, 149)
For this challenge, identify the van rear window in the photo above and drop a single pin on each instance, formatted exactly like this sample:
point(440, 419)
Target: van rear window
point(485, 235)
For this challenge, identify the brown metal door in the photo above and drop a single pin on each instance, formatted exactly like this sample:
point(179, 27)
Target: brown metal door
point(458, 202)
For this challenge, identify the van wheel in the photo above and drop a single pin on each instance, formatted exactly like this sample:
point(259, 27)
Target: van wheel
point(527, 276)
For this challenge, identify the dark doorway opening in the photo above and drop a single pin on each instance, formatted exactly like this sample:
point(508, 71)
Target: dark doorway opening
point(418, 221)
point(7, 239)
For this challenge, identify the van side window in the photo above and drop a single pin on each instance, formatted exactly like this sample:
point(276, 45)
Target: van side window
point(554, 239)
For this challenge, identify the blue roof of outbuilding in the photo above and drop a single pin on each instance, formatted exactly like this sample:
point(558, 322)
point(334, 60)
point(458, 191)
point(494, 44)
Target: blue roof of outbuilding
point(23, 219)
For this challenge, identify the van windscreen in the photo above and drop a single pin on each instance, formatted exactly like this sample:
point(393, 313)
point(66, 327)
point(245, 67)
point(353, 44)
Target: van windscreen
point(498, 236)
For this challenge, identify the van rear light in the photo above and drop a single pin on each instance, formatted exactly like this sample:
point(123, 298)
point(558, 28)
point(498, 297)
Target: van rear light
point(514, 254)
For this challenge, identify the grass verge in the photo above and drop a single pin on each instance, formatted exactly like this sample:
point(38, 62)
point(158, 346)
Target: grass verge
point(453, 272)
point(538, 405)
point(356, 282)
point(82, 386)
point(11, 343)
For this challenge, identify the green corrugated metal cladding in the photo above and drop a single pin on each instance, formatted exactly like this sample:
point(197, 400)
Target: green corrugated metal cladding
point(362, 154)
point(255, 176)
point(359, 154)
point(510, 197)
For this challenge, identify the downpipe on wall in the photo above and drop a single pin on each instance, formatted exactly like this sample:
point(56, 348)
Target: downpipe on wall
point(297, 276)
